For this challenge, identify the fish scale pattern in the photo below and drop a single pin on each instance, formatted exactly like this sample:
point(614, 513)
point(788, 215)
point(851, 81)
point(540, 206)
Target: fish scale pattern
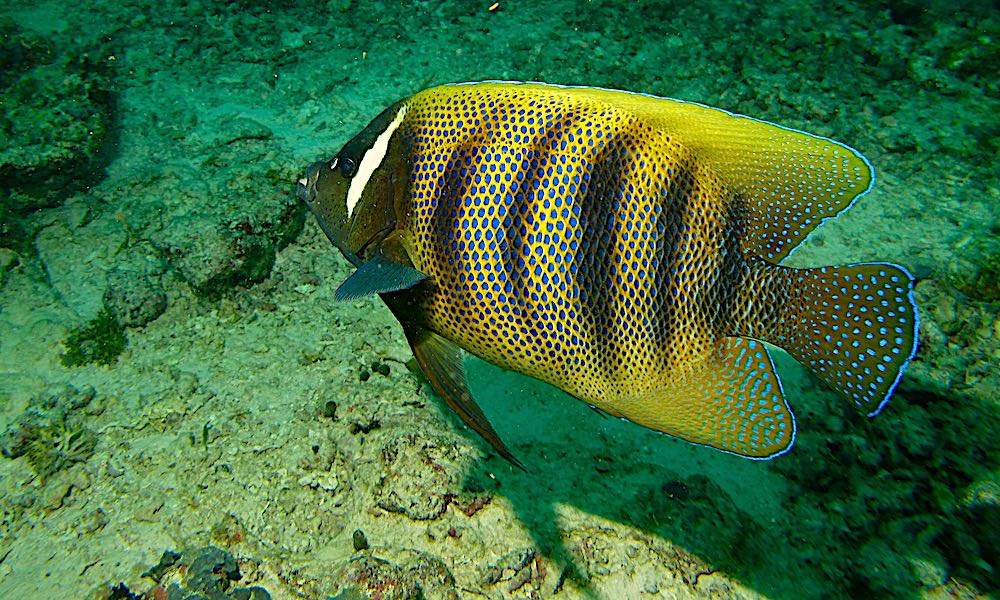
point(790, 181)
point(749, 414)
point(572, 241)
point(624, 248)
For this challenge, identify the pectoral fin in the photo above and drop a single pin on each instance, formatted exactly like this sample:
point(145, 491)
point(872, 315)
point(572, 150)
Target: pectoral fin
point(441, 362)
point(378, 276)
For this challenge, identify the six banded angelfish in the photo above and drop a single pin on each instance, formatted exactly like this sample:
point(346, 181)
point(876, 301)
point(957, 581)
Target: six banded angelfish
point(623, 247)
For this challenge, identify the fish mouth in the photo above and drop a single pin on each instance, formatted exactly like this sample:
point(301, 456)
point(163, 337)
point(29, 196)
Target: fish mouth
point(305, 188)
point(303, 192)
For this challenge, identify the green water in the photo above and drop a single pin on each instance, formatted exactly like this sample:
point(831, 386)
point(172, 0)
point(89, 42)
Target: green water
point(147, 193)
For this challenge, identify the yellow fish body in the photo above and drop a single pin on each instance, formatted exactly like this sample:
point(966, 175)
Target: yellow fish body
point(620, 246)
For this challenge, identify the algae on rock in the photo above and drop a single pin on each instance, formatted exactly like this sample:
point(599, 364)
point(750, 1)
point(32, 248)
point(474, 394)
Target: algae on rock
point(50, 433)
point(99, 341)
point(56, 122)
point(58, 445)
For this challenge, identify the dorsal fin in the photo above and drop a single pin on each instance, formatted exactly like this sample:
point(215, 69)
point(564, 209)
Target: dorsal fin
point(792, 181)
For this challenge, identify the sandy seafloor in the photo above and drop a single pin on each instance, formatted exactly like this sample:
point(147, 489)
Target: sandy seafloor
point(188, 124)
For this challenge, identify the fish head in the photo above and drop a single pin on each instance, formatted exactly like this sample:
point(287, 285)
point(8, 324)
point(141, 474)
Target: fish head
point(324, 190)
point(357, 195)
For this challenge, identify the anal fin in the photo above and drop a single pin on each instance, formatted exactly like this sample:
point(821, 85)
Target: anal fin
point(441, 362)
point(732, 402)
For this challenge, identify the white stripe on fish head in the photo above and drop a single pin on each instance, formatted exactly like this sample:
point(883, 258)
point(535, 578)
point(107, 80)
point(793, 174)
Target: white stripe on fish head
point(371, 161)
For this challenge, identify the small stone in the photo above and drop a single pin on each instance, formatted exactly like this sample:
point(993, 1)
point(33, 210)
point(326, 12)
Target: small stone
point(167, 560)
point(330, 409)
point(98, 520)
point(359, 540)
point(211, 571)
point(133, 298)
point(309, 357)
point(251, 593)
point(56, 494)
point(114, 470)
point(8, 259)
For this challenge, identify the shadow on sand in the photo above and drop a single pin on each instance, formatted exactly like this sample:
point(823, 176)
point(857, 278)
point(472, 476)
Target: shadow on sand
point(861, 507)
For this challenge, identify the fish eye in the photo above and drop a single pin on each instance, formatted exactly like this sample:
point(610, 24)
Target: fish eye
point(348, 167)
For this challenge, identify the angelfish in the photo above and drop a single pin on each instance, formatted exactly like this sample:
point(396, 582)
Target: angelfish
point(625, 248)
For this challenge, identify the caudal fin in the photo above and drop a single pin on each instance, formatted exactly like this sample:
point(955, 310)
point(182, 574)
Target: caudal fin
point(855, 327)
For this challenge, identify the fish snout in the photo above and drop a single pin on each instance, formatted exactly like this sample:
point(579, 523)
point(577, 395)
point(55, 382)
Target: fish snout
point(305, 189)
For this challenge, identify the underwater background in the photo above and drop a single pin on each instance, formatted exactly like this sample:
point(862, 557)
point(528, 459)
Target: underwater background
point(184, 409)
